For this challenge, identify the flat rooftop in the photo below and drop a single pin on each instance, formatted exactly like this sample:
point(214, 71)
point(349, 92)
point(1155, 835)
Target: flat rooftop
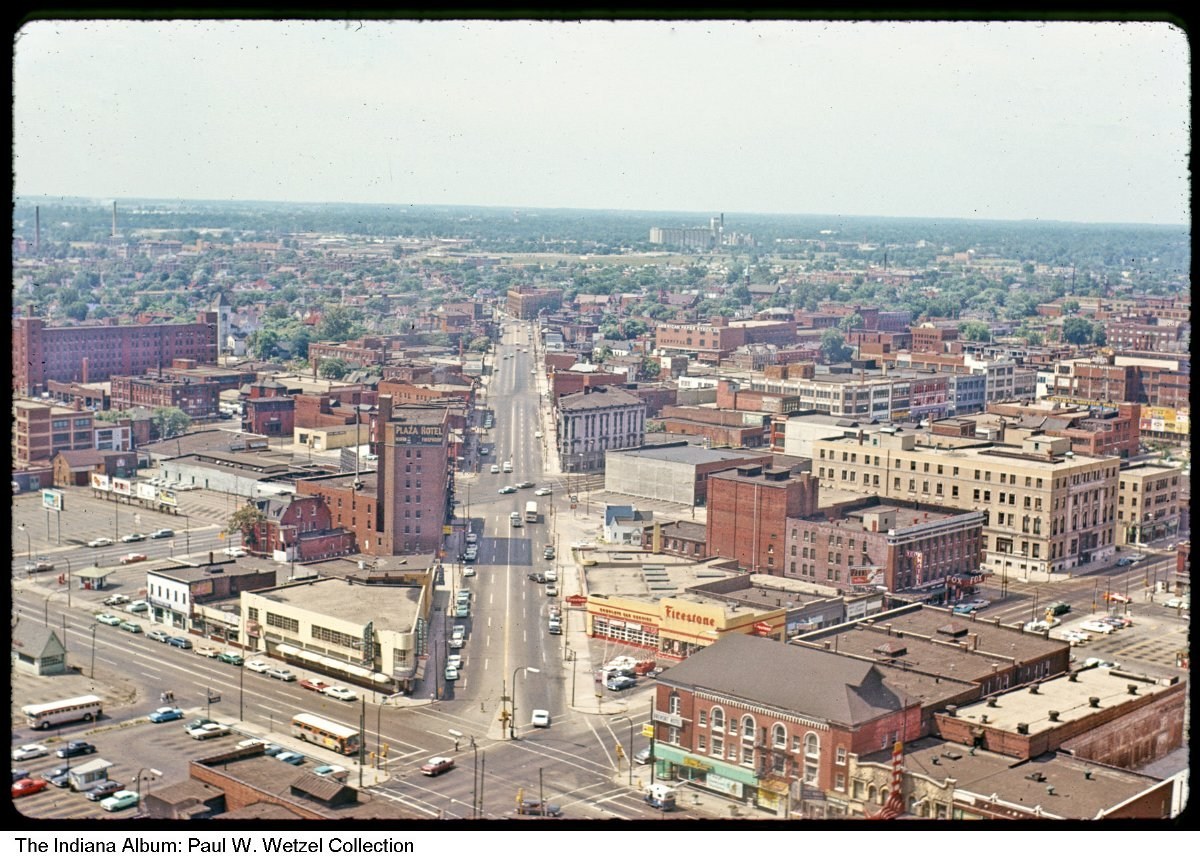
point(387, 606)
point(623, 573)
point(690, 454)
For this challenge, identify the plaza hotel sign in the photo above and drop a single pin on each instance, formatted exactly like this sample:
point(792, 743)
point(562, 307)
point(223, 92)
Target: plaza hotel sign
point(416, 433)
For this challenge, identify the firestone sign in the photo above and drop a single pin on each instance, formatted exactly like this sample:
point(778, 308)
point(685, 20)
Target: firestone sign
point(672, 613)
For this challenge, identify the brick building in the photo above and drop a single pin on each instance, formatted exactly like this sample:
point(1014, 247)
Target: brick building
point(1147, 334)
point(525, 302)
point(720, 336)
point(748, 509)
point(41, 430)
point(196, 399)
point(594, 421)
point(298, 529)
point(937, 337)
point(91, 353)
point(719, 428)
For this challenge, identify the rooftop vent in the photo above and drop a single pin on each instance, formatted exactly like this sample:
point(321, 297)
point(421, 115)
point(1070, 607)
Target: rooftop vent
point(1022, 727)
point(951, 710)
point(1094, 702)
point(1038, 776)
point(1132, 688)
point(1053, 715)
point(1033, 689)
point(1088, 774)
point(991, 701)
point(1073, 676)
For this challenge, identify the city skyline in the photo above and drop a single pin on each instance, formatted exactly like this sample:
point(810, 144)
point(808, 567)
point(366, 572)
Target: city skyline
point(777, 117)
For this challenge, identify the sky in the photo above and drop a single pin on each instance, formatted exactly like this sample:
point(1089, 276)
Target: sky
point(1068, 121)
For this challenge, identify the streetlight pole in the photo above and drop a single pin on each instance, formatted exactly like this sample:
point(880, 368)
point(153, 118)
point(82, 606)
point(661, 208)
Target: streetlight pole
point(28, 542)
point(629, 748)
point(512, 725)
point(92, 672)
point(68, 560)
point(187, 533)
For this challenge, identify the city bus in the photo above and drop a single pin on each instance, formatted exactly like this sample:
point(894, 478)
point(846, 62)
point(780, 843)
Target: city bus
point(323, 732)
point(84, 708)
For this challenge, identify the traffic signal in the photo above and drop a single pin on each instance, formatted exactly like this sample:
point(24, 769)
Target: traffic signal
point(620, 751)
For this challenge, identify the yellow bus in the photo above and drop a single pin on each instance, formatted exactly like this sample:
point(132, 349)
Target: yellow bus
point(85, 708)
point(323, 732)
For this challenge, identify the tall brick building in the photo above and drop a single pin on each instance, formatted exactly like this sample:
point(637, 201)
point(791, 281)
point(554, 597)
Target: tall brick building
point(91, 353)
point(748, 509)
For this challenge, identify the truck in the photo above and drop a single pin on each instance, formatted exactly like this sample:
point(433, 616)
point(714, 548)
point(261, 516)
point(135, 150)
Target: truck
point(531, 511)
point(661, 796)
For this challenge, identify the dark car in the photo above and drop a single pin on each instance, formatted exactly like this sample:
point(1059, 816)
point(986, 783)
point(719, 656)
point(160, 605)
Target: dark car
point(1058, 608)
point(620, 682)
point(75, 748)
point(1123, 562)
point(59, 776)
point(20, 774)
point(539, 809)
point(230, 657)
point(103, 790)
point(180, 642)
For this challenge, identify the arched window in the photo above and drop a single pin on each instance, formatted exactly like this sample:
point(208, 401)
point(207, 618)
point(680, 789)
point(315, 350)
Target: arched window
point(673, 703)
point(872, 794)
point(779, 736)
point(748, 727)
point(812, 745)
point(883, 795)
point(718, 719)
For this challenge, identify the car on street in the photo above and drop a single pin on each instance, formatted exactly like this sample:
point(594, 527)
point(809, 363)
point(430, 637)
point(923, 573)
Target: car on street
point(39, 565)
point(235, 552)
point(451, 673)
point(1137, 556)
point(314, 684)
point(470, 554)
point(231, 658)
point(258, 666)
point(108, 619)
point(468, 572)
point(341, 693)
point(1057, 608)
point(331, 771)
point(538, 433)
point(135, 537)
point(133, 557)
point(543, 491)
point(495, 469)
point(119, 800)
point(207, 650)
point(1116, 596)
point(293, 758)
point(166, 714)
point(208, 730)
point(525, 484)
point(437, 766)
point(507, 490)
point(620, 683)
point(551, 589)
point(548, 553)
point(1096, 626)
point(281, 674)
point(455, 659)
point(29, 751)
point(540, 718)
point(162, 532)
point(180, 642)
point(538, 808)
point(157, 635)
point(27, 786)
point(1123, 562)
point(643, 757)
point(1179, 602)
point(138, 605)
point(99, 541)
point(117, 599)
point(103, 790)
point(130, 626)
point(75, 748)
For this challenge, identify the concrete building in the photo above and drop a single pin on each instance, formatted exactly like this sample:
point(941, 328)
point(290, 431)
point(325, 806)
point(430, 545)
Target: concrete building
point(1148, 502)
point(592, 422)
point(175, 590)
point(676, 472)
point(369, 630)
point(748, 509)
point(1046, 508)
point(92, 353)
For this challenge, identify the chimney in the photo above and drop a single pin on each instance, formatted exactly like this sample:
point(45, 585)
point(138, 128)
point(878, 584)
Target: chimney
point(210, 556)
point(1053, 715)
point(1132, 689)
point(1094, 703)
point(1073, 676)
point(951, 710)
point(114, 226)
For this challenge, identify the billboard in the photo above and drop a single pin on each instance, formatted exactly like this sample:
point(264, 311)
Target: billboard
point(146, 491)
point(167, 496)
point(1158, 419)
point(122, 486)
point(100, 481)
point(52, 499)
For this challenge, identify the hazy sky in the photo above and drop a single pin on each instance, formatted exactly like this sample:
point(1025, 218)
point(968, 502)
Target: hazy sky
point(1068, 121)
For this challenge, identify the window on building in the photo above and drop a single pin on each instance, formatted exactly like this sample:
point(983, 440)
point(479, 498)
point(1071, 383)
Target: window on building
point(779, 736)
point(812, 745)
point(748, 727)
point(718, 746)
point(841, 755)
point(718, 719)
point(673, 703)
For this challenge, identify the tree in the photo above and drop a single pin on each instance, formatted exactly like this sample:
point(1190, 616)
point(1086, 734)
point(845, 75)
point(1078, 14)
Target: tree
point(1069, 307)
point(834, 348)
point(480, 344)
point(1078, 330)
point(77, 310)
point(849, 323)
point(264, 343)
point(170, 421)
point(975, 331)
point(333, 368)
point(247, 520)
point(339, 323)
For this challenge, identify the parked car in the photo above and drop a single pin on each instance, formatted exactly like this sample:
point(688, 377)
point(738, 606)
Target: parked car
point(451, 673)
point(208, 730)
point(1123, 562)
point(1179, 602)
point(1137, 556)
point(551, 589)
point(117, 599)
point(231, 658)
point(540, 718)
point(207, 650)
point(180, 642)
point(119, 800)
point(104, 790)
point(258, 666)
point(138, 606)
point(293, 758)
point(643, 757)
point(1116, 596)
point(455, 659)
point(331, 771)
point(525, 484)
point(162, 532)
point(157, 635)
point(1096, 626)
point(29, 751)
point(133, 557)
point(1073, 636)
point(1096, 662)
point(75, 748)
point(341, 693)
point(108, 619)
point(130, 626)
point(548, 553)
point(166, 714)
point(39, 565)
point(495, 469)
point(468, 572)
point(135, 537)
point(59, 776)
point(281, 674)
point(470, 553)
point(28, 786)
point(17, 775)
point(620, 683)
point(99, 541)
point(437, 766)
point(1115, 621)
point(314, 684)
point(235, 552)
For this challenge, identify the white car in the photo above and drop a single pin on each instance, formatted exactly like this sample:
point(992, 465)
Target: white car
point(258, 666)
point(341, 693)
point(235, 552)
point(1179, 602)
point(454, 659)
point(468, 572)
point(207, 730)
point(540, 718)
point(100, 541)
point(1095, 626)
point(537, 434)
point(543, 491)
point(281, 674)
point(29, 752)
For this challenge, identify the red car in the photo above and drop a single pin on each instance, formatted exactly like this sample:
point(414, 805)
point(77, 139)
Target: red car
point(26, 786)
point(314, 684)
point(437, 766)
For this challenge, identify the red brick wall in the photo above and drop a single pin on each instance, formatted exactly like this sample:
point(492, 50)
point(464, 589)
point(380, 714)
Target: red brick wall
point(747, 519)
